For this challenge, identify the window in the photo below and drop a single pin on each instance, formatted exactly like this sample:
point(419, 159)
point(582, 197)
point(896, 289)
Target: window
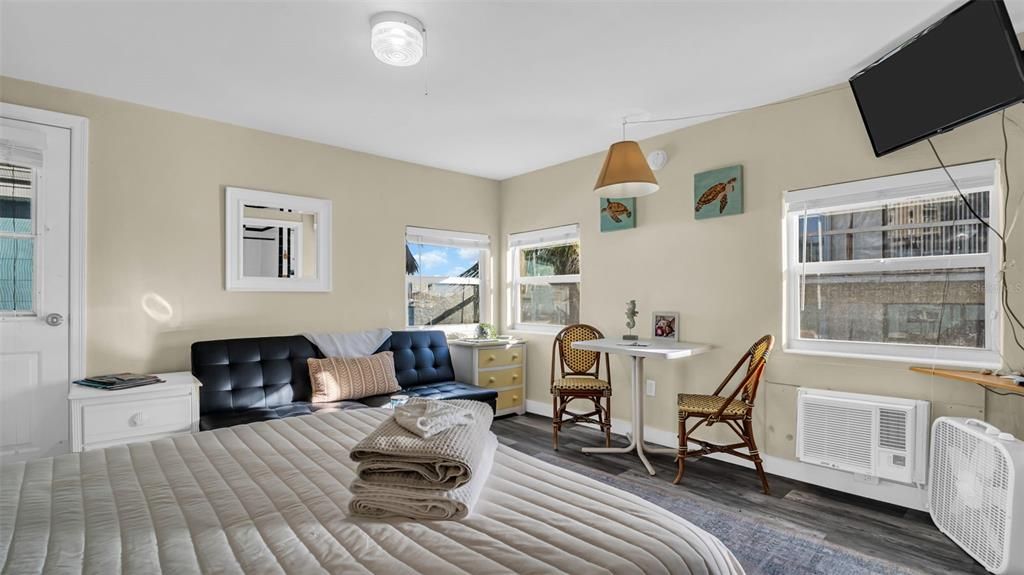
point(17, 240)
point(896, 268)
point(445, 277)
point(545, 271)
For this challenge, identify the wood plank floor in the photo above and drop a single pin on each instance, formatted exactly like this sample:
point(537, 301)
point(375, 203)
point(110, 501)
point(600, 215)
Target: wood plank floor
point(902, 536)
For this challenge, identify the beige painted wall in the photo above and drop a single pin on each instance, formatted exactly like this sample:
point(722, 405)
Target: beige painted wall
point(156, 227)
point(725, 275)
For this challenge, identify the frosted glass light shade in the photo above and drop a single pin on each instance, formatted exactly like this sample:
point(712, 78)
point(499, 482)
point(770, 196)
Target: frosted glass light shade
point(396, 38)
point(626, 173)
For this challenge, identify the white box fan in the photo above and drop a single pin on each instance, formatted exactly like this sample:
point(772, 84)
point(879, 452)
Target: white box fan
point(977, 491)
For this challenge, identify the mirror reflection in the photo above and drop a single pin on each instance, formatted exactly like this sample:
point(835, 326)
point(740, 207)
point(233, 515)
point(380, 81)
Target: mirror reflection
point(278, 243)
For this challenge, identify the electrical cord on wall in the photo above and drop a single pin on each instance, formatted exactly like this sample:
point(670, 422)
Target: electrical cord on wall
point(990, 390)
point(1014, 319)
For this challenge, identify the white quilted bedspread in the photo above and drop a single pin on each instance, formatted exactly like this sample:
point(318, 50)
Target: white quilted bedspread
point(273, 498)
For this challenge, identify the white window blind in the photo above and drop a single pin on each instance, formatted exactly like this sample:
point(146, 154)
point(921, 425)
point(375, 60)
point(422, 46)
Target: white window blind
point(447, 238)
point(537, 238)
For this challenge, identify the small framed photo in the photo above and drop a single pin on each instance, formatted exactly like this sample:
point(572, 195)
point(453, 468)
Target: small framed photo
point(665, 325)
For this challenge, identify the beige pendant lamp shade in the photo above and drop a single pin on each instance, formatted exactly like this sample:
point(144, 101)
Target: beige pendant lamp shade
point(626, 173)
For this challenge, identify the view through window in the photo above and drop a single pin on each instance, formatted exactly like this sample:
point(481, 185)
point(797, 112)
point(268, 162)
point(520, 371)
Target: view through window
point(443, 277)
point(17, 243)
point(911, 270)
point(546, 273)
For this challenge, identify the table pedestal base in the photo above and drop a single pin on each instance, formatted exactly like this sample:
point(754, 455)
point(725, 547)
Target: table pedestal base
point(636, 439)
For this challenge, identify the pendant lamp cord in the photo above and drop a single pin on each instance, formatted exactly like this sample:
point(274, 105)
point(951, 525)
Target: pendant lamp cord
point(426, 64)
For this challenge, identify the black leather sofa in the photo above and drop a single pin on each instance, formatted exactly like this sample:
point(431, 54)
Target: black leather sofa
point(263, 378)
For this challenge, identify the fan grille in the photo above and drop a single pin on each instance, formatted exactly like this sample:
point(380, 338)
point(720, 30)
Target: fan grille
point(970, 492)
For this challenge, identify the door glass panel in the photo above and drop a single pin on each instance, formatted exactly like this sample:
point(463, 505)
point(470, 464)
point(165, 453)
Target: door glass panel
point(17, 244)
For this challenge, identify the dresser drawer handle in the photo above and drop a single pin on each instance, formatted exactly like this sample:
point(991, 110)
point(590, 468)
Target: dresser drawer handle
point(135, 420)
point(515, 377)
point(491, 380)
point(491, 358)
point(514, 357)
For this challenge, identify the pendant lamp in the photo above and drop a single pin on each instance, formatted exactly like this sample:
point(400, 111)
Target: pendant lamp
point(626, 173)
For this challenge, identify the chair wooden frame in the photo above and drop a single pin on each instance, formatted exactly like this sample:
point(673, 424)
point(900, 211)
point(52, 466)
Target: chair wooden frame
point(740, 424)
point(560, 398)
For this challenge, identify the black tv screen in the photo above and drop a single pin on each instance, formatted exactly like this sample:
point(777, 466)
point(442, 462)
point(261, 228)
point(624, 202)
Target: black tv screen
point(964, 66)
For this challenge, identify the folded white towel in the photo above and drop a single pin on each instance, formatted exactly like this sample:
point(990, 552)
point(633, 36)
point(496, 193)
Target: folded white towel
point(394, 455)
point(371, 499)
point(428, 417)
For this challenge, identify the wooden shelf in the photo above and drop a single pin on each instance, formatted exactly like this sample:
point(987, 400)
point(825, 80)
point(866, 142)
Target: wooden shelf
point(990, 381)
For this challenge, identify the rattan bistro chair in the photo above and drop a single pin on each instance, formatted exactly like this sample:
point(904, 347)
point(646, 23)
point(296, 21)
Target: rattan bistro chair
point(579, 377)
point(735, 414)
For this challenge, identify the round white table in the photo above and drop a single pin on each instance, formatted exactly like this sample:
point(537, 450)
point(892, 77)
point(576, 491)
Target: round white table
point(638, 351)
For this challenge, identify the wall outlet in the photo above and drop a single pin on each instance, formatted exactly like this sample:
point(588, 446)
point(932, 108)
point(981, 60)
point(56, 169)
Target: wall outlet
point(651, 387)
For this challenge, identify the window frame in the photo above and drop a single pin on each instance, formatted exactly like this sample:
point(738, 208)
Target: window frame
point(979, 176)
point(517, 242)
point(453, 239)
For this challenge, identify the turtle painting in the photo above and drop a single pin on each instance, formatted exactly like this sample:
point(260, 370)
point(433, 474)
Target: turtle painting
point(616, 210)
point(618, 214)
point(721, 188)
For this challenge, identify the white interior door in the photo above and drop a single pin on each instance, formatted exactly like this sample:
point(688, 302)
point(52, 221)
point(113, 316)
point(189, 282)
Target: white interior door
point(35, 194)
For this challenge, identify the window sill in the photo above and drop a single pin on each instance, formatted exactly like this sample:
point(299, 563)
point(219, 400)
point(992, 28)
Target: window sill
point(936, 360)
point(536, 329)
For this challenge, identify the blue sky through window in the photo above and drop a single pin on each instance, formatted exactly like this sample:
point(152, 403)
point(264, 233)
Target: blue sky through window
point(443, 260)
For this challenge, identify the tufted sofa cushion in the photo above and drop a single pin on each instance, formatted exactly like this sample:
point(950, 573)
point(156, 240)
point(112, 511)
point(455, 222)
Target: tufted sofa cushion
point(421, 357)
point(252, 373)
point(262, 378)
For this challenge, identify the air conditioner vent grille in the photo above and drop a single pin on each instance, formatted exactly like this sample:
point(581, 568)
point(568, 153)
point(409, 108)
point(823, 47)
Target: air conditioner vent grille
point(839, 434)
point(892, 429)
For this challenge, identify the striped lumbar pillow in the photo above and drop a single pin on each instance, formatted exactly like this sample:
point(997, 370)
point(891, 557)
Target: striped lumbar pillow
point(335, 378)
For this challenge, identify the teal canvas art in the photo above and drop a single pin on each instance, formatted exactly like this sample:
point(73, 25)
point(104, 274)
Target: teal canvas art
point(618, 214)
point(718, 193)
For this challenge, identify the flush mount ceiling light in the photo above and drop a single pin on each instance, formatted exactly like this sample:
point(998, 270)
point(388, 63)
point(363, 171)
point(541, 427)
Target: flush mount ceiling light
point(397, 39)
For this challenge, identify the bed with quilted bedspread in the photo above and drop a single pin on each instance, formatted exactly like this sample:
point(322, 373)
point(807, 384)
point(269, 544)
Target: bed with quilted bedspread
point(272, 497)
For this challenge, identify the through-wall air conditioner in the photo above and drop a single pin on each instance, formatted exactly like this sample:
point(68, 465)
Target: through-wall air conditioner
point(882, 437)
point(976, 477)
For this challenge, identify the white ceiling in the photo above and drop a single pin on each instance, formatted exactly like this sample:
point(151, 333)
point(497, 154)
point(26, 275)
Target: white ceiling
point(514, 85)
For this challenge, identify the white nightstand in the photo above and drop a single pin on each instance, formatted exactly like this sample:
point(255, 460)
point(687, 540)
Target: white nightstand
point(499, 365)
point(104, 418)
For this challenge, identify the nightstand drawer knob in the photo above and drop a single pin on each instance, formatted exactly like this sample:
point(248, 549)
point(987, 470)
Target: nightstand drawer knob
point(491, 380)
point(135, 420)
point(491, 358)
point(514, 357)
point(515, 377)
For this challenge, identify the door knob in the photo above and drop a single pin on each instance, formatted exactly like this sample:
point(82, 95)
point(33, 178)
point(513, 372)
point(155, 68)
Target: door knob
point(54, 319)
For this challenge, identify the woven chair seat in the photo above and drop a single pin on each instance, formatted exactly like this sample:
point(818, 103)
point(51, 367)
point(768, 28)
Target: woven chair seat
point(710, 404)
point(580, 384)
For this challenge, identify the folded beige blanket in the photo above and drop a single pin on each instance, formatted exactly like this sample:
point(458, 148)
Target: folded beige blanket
point(374, 500)
point(428, 417)
point(393, 455)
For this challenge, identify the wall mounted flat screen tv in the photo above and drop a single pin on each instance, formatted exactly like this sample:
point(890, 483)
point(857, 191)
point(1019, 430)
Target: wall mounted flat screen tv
point(964, 66)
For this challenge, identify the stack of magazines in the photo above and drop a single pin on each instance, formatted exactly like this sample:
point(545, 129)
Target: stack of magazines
point(119, 381)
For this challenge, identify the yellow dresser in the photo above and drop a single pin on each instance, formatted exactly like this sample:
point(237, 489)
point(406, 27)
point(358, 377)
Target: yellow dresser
point(497, 365)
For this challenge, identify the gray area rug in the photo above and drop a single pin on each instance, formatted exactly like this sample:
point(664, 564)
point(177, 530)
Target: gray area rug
point(762, 547)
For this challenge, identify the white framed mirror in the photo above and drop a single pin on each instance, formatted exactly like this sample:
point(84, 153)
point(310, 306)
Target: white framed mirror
point(276, 242)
